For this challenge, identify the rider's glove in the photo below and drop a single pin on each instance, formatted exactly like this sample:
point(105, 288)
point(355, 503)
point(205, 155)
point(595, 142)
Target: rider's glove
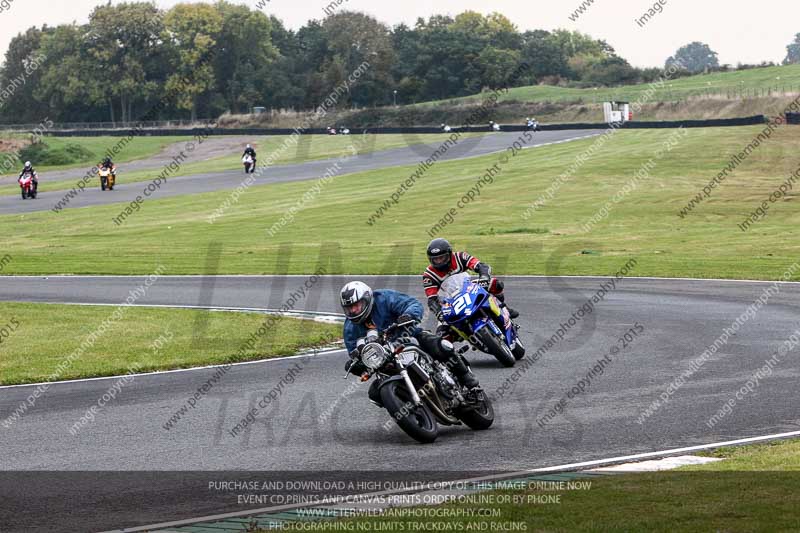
point(484, 282)
point(355, 367)
point(407, 318)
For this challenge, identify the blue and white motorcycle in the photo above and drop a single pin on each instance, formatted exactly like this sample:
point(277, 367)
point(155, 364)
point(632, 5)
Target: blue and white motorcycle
point(477, 317)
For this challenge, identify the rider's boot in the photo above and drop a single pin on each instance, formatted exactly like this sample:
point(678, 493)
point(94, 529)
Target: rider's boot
point(513, 313)
point(445, 332)
point(462, 372)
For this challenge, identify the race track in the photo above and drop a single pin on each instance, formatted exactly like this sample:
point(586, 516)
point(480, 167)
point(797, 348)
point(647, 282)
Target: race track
point(680, 318)
point(221, 181)
point(130, 441)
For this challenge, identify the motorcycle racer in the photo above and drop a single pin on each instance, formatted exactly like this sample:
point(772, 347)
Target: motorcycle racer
point(109, 164)
point(28, 169)
point(249, 150)
point(444, 262)
point(366, 309)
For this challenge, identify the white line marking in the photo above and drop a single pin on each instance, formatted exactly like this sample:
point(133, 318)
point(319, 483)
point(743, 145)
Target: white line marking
point(370, 276)
point(522, 473)
point(657, 465)
point(571, 139)
point(319, 315)
point(674, 451)
point(175, 371)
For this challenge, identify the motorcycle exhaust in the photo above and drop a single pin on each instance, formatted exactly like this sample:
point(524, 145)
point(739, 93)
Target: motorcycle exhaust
point(434, 403)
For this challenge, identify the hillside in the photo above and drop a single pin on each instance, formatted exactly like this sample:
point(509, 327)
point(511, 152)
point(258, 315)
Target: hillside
point(751, 83)
point(720, 95)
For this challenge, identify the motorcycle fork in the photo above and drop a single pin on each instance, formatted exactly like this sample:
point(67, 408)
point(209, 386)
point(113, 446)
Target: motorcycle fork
point(411, 389)
point(461, 334)
point(501, 317)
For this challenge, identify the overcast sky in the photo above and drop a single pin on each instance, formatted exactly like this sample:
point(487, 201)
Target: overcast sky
point(739, 30)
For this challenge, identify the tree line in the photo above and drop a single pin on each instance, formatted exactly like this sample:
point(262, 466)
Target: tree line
point(202, 60)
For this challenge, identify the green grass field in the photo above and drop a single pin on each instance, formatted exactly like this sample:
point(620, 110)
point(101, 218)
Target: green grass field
point(312, 147)
point(754, 490)
point(644, 224)
point(138, 148)
point(749, 83)
point(188, 338)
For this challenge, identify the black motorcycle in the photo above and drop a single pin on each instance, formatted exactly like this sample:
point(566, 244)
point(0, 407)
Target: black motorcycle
point(418, 391)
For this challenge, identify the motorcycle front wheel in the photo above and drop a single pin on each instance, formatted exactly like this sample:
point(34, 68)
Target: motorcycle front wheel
point(416, 420)
point(497, 347)
point(24, 195)
point(519, 349)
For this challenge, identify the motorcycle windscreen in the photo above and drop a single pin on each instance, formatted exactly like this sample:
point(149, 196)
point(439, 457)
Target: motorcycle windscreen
point(453, 286)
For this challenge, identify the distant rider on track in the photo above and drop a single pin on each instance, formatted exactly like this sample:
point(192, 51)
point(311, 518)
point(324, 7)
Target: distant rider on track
point(108, 164)
point(252, 153)
point(28, 169)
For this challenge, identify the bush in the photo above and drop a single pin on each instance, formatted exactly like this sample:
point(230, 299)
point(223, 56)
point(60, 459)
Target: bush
point(42, 154)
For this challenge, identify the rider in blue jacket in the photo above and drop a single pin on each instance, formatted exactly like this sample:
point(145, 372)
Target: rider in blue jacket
point(366, 309)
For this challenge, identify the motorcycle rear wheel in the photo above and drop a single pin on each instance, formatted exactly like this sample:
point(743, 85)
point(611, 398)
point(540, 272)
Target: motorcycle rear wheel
point(497, 347)
point(417, 421)
point(479, 418)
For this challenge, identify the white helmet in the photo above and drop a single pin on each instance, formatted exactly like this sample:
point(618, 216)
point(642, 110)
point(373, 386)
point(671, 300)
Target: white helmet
point(27, 164)
point(357, 300)
point(249, 146)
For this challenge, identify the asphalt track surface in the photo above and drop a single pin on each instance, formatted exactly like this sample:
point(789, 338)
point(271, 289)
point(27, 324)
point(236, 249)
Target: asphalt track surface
point(417, 151)
point(680, 318)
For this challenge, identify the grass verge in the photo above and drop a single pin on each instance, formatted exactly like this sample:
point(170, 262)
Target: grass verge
point(146, 339)
point(644, 223)
point(137, 148)
point(755, 489)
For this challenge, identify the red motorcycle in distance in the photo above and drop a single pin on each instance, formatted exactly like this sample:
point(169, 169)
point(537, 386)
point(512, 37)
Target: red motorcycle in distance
point(27, 186)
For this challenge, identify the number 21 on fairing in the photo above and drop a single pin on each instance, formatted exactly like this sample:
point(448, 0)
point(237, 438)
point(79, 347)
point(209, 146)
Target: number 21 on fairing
point(462, 302)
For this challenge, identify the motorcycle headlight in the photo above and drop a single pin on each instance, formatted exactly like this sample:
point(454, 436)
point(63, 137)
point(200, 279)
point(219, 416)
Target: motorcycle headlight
point(373, 356)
